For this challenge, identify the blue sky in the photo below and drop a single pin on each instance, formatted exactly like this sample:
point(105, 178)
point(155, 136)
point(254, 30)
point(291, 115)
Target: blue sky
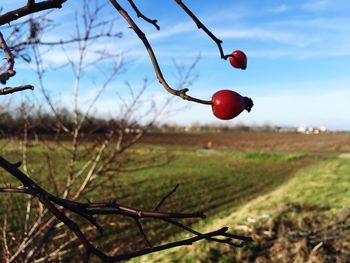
point(298, 59)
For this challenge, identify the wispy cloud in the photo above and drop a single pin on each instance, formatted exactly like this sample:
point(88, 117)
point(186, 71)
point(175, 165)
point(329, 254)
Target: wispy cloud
point(177, 29)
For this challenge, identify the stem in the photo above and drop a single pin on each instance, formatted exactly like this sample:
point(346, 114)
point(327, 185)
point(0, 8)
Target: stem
point(180, 93)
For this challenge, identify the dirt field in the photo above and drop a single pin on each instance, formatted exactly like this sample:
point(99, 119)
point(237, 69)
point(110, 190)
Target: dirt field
point(327, 142)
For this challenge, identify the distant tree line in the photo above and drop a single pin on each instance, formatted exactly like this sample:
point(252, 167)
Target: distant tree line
point(37, 122)
point(12, 122)
point(213, 128)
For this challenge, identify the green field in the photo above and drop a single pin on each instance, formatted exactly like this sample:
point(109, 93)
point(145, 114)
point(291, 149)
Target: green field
point(228, 185)
point(322, 188)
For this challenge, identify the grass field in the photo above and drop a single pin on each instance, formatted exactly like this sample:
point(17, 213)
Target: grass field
point(318, 192)
point(244, 175)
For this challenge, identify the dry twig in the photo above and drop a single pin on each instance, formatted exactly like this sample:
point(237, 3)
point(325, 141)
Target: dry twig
point(30, 8)
point(89, 211)
point(182, 93)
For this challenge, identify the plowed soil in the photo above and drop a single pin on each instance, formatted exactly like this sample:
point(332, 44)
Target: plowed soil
point(326, 142)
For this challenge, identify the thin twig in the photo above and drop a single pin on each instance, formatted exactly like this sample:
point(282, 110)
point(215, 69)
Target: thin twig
point(5, 48)
point(139, 14)
point(4, 237)
point(166, 197)
point(142, 232)
point(62, 42)
point(9, 90)
point(30, 8)
point(185, 242)
point(89, 209)
point(182, 92)
point(200, 25)
point(10, 61)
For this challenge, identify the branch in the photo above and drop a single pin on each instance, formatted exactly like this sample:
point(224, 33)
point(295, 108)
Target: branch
point(30, 8)
point(185, 242)
point(61, 42)
point(139, 14)
point(18, 190)
point(180, 93)
point(4, 238)
point(9, 90)
point(142, 232)
point(200, 25)
point(87, 210)
point(166, 197)
point(44, 197)
point(10, 60)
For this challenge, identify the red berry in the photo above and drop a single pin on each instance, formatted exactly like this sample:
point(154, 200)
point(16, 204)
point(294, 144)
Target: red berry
point(238, 59)
point(227, 104)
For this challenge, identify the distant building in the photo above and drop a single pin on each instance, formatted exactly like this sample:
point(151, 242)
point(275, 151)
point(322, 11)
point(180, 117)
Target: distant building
point(311, 130)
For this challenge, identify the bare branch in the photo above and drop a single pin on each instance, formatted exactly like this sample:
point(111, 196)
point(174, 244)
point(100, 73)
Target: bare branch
point(30, 8)
point(139, 14)
point(200, 25)
point(166, 197)
point(89, 209)
point(182, 92)
point(6, 250)
point(10, 61)
point(18, 190)
point(62, 42)
point(142, 232)
point(185, 242)
point(9, 90)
